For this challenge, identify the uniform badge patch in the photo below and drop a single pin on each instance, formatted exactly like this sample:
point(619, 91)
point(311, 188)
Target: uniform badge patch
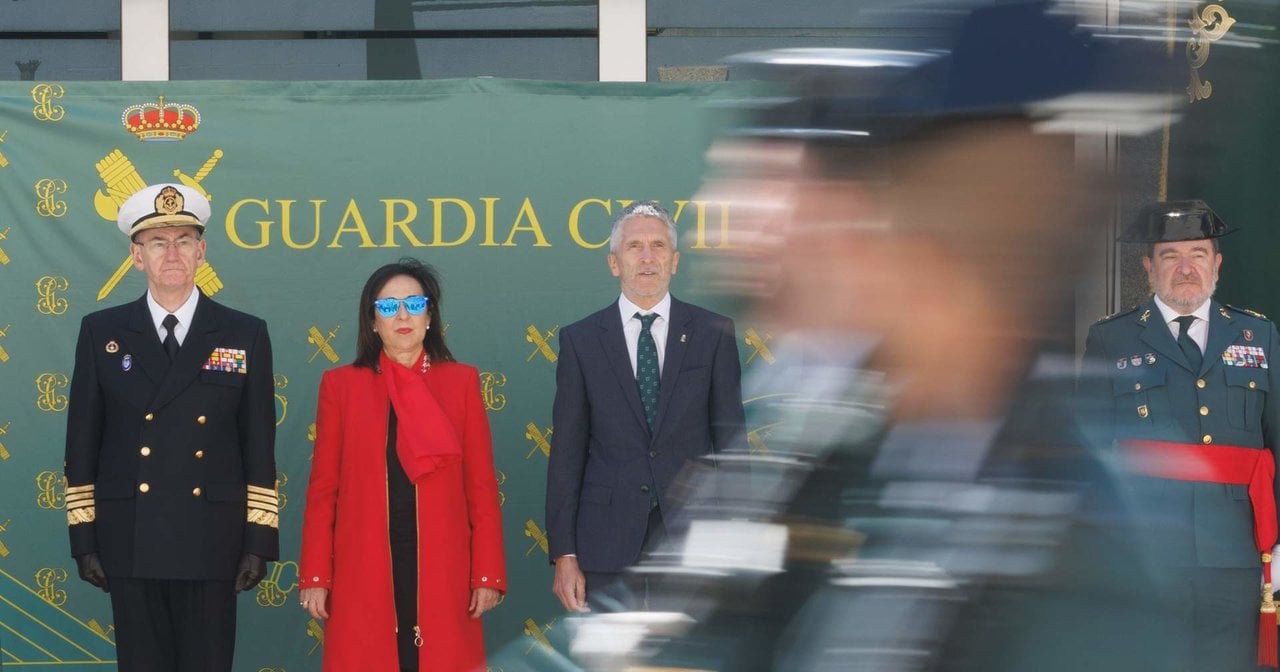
point(1121, 363)
point(229, 360)
point(1136, 360)
point(1248, 334)
point(126, 362)
point(1151, 358)
point(1249, 356)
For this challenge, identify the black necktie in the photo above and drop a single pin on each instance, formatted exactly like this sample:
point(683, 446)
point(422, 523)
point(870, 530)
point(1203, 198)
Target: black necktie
point(170, 340)
point(1189, 347)
point(647, 367)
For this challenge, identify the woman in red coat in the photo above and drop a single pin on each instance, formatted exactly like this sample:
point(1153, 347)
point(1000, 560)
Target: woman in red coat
point(402, 534)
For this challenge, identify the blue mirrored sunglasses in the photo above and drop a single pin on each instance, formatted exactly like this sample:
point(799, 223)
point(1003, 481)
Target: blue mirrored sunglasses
point(390, 306)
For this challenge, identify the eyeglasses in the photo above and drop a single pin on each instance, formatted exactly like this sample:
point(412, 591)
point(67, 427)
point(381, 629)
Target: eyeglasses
point(160, 246)
point(390, 306)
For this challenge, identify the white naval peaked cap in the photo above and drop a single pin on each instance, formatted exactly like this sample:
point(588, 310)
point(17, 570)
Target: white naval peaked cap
point(163, 205)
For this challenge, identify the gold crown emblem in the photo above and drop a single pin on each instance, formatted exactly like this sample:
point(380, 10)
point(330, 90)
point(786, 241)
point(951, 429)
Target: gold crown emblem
point(161, 120)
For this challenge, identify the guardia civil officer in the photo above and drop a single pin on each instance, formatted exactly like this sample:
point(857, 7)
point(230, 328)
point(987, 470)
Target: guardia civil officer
point(170, 465)
point(1192, 406)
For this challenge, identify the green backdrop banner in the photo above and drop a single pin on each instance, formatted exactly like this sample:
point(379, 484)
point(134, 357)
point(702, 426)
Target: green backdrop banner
point(507, 187)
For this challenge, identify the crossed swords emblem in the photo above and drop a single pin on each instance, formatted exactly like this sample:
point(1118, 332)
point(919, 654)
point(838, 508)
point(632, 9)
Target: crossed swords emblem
point(541, 440)
point(541, 343)
point(321, 342)
point(759, 347)
point(122, 181)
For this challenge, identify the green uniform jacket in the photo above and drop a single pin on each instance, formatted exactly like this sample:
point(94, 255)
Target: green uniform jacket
point(1136, 371)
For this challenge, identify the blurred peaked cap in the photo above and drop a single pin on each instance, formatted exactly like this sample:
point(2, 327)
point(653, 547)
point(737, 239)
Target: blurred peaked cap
point(1009, 58)
point(1172, 221)
point(163, 205)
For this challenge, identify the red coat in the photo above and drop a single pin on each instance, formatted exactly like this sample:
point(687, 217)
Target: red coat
point(345, 543)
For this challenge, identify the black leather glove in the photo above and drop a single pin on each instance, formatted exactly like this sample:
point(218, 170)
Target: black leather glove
point(252, 569)
point(91, 570)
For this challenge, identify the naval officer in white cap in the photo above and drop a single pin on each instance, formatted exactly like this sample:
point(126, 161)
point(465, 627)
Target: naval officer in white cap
point(170, 455)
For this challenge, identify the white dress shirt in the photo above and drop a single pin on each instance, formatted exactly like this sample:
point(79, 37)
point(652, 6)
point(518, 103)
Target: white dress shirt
point(631, 327)
point(1198, 331)
point(184, 314)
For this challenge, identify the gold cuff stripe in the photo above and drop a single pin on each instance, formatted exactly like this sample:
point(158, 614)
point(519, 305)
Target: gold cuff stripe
point(266, 509)
point(80, 504)
point(84, 515)
point(256, 490)
point(255, 497)
point(80, 497)
point(264, 518)
point(75, 489)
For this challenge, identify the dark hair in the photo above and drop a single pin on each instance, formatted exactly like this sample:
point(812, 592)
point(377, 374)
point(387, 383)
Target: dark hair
point(369, 343)
point(1149, 251)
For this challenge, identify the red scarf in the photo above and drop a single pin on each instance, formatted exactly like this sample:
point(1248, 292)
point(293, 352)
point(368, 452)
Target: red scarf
point(425, 439)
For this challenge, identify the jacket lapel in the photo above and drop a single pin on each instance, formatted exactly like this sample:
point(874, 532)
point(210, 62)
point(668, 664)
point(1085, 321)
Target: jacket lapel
point(1157, 335)
point(614, 344)
point(679, 331)
point(193, 353)
point(1222, 333)
point(141, 341)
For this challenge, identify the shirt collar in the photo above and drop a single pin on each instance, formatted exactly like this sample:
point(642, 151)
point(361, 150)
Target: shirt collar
point(184, 313)
point(1169, 314)
point(629, 309)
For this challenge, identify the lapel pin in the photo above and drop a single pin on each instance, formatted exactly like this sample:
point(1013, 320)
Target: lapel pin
point(126, 362)
point(684, 337)
point(1248, 334)
point(1121, 364)
point(112, 347)
point(1151, 358)
point(1146, 315)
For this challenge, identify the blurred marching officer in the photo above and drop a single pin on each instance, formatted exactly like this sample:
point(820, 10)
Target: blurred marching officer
point(1191, 404)
point(170, 462)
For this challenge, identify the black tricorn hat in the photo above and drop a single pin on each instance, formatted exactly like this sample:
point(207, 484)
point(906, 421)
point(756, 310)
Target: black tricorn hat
point(1172, 221)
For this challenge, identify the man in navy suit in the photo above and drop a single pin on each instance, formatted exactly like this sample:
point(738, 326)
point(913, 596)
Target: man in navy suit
point(642, 386)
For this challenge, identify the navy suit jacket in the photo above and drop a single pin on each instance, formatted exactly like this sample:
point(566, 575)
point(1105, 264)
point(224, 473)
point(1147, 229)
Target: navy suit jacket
point(605, 463)
point(1146, 389)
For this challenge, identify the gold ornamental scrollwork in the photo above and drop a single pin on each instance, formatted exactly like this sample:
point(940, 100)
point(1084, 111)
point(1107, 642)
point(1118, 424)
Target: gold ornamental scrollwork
point(1208, 25)
point(47, 288)
point(51, 490)
point(45, 110)
point(282, 479)
point(48, 398)
point(281, 382)
point(274, 589)
point(490, 381)
point(47, 580)
point(47, 203)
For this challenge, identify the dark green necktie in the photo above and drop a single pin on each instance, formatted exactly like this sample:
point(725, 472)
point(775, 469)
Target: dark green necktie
point(647, 377)
point(1189, 347)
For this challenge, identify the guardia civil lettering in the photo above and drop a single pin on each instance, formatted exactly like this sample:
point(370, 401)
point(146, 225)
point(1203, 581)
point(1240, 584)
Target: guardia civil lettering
point(485, 221)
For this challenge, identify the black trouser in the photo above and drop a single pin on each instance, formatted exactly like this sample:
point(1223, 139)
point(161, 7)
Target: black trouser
point(174, 626)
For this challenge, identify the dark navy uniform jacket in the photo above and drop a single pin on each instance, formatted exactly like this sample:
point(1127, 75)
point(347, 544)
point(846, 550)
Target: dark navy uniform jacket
point(1151, 392)
point(170, 467)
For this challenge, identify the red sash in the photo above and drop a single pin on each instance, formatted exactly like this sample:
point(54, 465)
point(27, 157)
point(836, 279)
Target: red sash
point(1234, 465)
